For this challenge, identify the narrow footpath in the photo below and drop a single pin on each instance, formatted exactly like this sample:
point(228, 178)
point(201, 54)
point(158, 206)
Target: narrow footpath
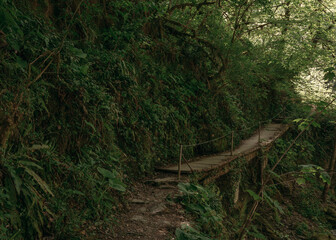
point(152, 213)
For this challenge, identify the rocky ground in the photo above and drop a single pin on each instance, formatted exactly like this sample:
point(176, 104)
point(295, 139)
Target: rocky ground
point(151, 213)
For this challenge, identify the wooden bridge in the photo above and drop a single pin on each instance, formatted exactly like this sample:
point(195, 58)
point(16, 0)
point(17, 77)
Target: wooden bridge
point(212, 167)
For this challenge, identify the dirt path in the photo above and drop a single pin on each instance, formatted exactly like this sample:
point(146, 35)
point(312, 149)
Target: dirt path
point(152, 213)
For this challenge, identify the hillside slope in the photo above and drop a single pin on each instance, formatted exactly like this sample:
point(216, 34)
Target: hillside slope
point(95, 94)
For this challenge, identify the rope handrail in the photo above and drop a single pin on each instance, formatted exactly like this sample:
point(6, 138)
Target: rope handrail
point(215, 139)
point(197, 144)
point(242, 130)
point(201, 143)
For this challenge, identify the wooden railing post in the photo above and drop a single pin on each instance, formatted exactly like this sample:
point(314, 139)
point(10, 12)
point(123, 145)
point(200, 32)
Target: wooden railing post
point(259, 130)
point(180, 163)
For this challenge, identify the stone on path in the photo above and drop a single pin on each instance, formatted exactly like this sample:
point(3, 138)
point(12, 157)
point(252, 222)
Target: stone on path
point(163, 181)
point(138, 218)
point(158, 208)
point(143, 209)
point(137, 201)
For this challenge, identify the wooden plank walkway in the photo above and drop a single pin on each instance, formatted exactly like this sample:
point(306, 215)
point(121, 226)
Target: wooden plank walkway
point(248, 148)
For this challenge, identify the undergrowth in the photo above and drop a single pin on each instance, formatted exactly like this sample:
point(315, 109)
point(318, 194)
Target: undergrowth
point(293, 193)
point(94, 95)
point(204, 204)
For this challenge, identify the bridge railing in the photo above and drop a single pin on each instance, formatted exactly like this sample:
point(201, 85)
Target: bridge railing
point(182, 146)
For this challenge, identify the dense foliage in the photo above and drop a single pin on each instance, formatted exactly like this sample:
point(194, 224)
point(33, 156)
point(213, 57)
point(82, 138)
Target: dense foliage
point(94, 93)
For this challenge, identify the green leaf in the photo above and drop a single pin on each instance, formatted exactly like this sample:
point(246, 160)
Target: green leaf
point(39, 180)
point(274, 174)
point(27, 130)
point(17, 181)
point(325, 177)
point(15, 235)
point(117, 185)
point(183, 187)
point(297, 120)
point(273, 203)
point(107, 173)
point(90, 124)
point(84, 69)
point(30, 164)
point(22, 63)
point(303, 125)
point(308, 168)
point(189, 233)
point(78, 52)
point(329, 76)
point(76, 192)
point(315, 124)
point(253, 194)
point(278, 207)
point(257, 235)
point(300, 181)
point(39, 147)
point(329, 69)
point(189, 188)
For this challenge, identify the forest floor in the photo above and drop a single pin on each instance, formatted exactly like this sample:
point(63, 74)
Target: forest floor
point(151, 212)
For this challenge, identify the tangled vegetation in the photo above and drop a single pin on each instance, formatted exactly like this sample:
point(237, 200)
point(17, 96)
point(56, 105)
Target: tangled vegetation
point(294, 193)
point(95, 93)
